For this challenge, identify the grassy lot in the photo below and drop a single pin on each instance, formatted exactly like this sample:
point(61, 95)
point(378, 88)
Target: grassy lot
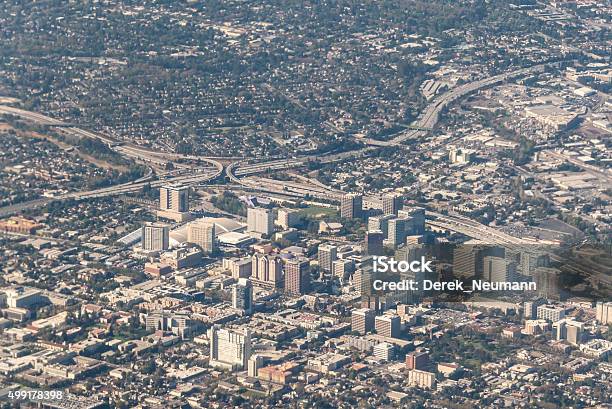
point(316, 211)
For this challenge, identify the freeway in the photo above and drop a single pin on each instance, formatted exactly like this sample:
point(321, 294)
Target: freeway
point(474, 229)
point(197, 175)
point(126, 149)
point(429, 118)
point(108, 191)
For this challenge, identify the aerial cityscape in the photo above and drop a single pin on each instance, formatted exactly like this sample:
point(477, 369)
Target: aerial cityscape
point(306, 204)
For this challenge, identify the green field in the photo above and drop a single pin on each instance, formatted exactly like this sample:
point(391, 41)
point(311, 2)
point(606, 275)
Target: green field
point(316, 211)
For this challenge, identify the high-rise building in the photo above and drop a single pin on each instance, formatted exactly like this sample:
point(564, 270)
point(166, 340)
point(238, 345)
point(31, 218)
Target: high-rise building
point(467, 259)
point(362, 320)
point(351, 206)
point(327, 254)
point(417, 214)
point(260, 220)
point(255, 362)
point(421, 379)
point(498, 269)
point(342, 268)
point(384, 351)
point(242, 296)
point(203, 234)
point(568, 330)
point(287, 218)
point(550, 312)
point(387, 325)
point(417, 360)
point(531, 260)
point(174, 197)
point(155, 236)
point(373, 243)
point(547, 282)
point(364, 277)
point(398, 230)
point(229, 348)
point(297, 276)
point(266, 271)
point(239, 267)
point(380, 223)
point(530, 308)
point(392, 203)
point(603, 313)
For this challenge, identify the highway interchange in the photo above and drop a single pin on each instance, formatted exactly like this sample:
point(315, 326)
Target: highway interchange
point(240, 171)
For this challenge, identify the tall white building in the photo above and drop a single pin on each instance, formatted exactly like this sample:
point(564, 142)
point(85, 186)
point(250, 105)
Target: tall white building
point(229, 348)
point(287, 218)
point(603, 313)
point(260, 220)
point(381, 223)
point(569, 330)
point(203, 234)
point(384, 351)
point(155, 236)
point(328, 253)
point(550, 312)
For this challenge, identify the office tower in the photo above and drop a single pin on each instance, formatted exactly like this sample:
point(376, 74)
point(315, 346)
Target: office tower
point(351, 206)
point(467, 259)
point(288, 218)
point(384, 351)
point(421, 379)
point(362, 320)
point(530, 308)
point(531, 260)
point(266, 271)
point(603, 313)
point(498, 269)
point(379, 223)
point(417, 360)
point(297, 276)
point(239, 267)
point(155, 236)
point(242, 296)
point(398, 230)
point(364, 277)
point(392, 203)
point(547, 282)
point(229, 348)
point(417, 214)
point(260, 220)
point(568, 330)
point(328, 253)
point(387, 325)
point(255, 362)
point(373, 243)
point(174, 197)
point(550, 312)
point(342, 268)
point(203, 234)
